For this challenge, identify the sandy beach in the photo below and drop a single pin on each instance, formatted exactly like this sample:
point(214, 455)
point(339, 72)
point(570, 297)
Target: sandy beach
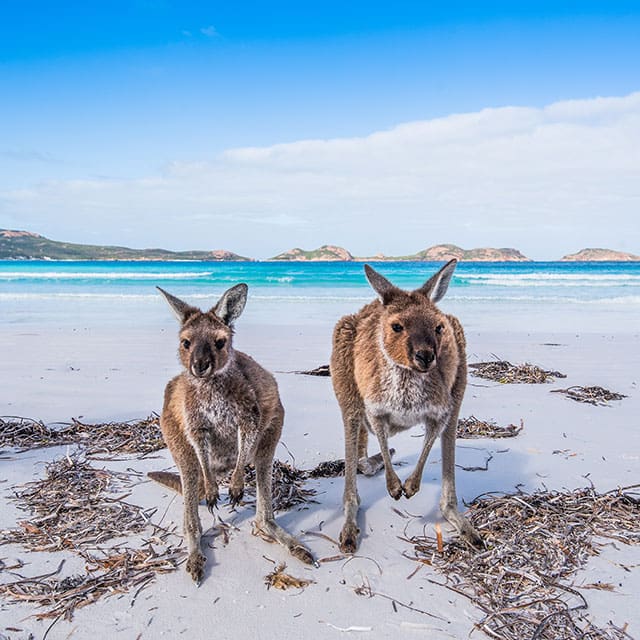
point(103, 373)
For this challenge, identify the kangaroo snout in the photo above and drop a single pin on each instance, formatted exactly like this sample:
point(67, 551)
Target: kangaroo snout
point(201, 369)
point(202, 361)
point(424, 358)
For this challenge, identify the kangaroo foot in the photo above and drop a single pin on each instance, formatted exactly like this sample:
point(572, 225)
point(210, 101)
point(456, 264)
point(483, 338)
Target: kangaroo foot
point(195, 566)
point(371, 465)
point(302, 553)
point(274, 531)
point(464, 528)
point(349, 538)
point(235, 495)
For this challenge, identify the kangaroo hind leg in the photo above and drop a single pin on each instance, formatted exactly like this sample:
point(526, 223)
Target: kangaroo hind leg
point(265, 520)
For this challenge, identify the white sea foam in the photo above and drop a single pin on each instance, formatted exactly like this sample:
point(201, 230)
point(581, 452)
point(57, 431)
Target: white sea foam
point(75, 296)
point(553, 275)
point(628, 300)
point(543, 279)
point(631, 300)
point(102, 275)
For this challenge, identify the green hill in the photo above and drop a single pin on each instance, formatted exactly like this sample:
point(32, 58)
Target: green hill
point(24, 245)
point(488, 254)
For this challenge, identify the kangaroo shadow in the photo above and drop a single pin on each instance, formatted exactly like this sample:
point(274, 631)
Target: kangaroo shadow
point(483, 466)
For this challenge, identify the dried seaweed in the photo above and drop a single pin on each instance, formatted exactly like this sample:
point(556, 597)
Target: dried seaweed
point(73, 505)
point(130, 437)
point(323, 370)
point(472, 427)
point(280, 580)
point(327, 469)
point(115, 572)
point(287, 486)
point(590, 395)
point(534, 544)
point(507, 373)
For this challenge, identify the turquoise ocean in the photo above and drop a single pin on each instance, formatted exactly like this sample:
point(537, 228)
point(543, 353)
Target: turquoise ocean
point(547, 296)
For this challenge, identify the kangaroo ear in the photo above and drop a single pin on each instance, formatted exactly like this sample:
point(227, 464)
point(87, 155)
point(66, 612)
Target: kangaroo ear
point(436, 286)
point(385, 290)
point(231, 304)
point(180, 308)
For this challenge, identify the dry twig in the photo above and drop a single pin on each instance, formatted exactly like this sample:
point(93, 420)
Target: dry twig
point(534, 543)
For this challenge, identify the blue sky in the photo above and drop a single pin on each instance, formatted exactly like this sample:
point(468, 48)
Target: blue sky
point(97, 93)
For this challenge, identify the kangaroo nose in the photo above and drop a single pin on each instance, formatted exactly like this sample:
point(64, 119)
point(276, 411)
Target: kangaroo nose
point(200, 367)
point(424, 358)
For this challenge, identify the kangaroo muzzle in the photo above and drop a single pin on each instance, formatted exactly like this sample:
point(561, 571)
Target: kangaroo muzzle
point(202, 361)
point(424, 358)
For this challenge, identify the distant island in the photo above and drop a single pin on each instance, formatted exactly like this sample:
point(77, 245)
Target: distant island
point(26, 245)
point(438, 253)
point(325, 253)
point(600, 255)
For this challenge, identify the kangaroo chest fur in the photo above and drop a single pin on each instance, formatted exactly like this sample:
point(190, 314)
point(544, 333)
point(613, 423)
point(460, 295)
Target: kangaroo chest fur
point(215, 413)
point(405, 398)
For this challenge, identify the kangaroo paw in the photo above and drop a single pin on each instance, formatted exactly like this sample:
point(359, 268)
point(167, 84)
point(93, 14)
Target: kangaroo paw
point(411, 486)
point(211, 501)
point(464, 528)
point(394, 487)
point(349, 538)
point(302, 553)
point(235, 495)
point(195, 566)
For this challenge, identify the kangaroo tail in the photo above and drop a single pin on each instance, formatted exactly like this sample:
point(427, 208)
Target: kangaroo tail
point(171, 480)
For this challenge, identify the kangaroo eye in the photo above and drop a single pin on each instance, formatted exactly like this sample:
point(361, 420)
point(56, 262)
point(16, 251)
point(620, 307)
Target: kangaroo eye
point(220, 342)
point(186, 343)
point(439, 329)
point(397, 327)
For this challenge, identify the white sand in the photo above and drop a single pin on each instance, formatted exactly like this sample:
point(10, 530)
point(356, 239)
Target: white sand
point(110, 373)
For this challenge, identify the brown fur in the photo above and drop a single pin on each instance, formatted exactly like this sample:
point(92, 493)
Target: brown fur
point(396, 363)
point(221, 413)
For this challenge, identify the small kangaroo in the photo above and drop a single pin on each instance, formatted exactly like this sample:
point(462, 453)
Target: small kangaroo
point(397, 363)
point(221, 413)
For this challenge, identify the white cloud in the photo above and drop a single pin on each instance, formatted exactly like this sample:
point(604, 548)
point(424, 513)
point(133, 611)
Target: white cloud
point(547, 181)
point(209, 31)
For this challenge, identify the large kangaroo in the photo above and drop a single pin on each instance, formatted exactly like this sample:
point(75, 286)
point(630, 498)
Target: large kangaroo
point(397, 363)
point(221, 413)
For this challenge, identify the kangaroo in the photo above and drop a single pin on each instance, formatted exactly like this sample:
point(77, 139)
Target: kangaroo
point(397, 363)
point(221, 413)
